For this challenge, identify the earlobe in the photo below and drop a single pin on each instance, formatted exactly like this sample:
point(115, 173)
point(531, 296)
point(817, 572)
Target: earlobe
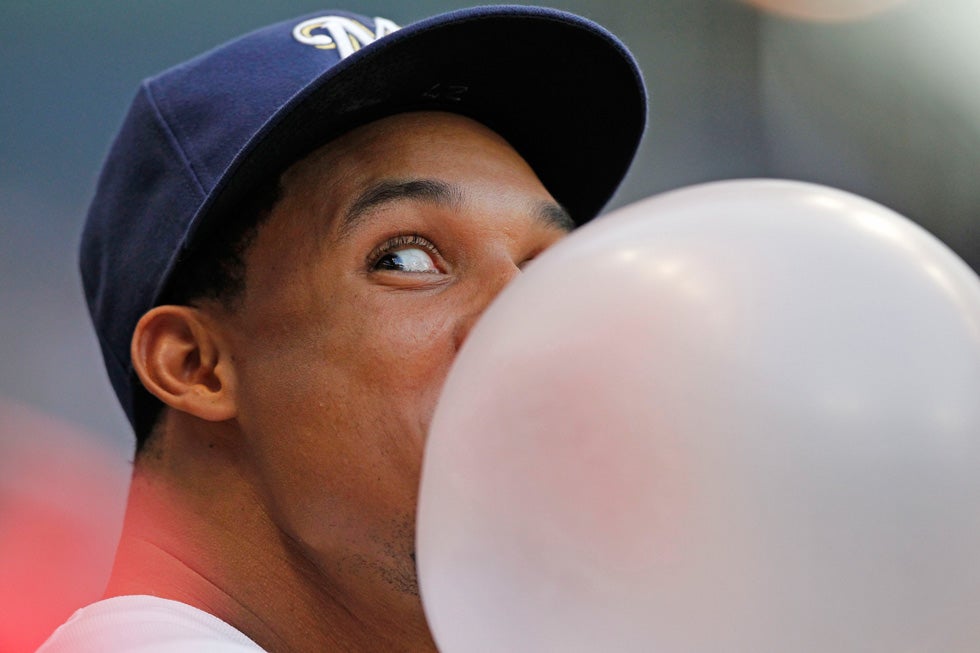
point(181, 359)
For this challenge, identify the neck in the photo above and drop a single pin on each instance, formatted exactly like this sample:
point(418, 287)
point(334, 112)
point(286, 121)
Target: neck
point(197, 532)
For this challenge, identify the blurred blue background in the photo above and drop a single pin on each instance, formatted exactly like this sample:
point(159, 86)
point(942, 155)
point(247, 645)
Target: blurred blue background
point(882, 103)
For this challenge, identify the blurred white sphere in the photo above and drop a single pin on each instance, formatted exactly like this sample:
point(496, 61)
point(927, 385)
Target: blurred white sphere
point(739, 417)
point(826, 10)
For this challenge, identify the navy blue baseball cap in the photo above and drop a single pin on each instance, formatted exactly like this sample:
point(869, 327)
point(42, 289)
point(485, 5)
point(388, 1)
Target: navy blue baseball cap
point(562, 90)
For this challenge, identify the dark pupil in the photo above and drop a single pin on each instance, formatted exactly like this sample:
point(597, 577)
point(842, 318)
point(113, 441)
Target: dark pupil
point(389, 262)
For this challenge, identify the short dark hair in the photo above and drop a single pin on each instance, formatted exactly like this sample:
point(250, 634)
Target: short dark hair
point(214, 270)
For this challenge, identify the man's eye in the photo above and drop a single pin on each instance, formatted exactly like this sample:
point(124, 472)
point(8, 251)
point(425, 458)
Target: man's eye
point(407, 259)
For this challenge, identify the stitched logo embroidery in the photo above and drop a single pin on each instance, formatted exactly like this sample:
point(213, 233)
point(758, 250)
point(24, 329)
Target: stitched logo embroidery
point(346, 35)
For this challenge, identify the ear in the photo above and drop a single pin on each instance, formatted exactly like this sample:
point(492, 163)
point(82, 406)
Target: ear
point(181, 358)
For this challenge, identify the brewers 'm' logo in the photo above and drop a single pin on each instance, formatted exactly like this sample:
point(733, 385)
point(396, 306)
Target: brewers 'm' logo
point(346, 35)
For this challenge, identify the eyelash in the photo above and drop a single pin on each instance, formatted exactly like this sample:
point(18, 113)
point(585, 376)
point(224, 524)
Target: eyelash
point(399, 242)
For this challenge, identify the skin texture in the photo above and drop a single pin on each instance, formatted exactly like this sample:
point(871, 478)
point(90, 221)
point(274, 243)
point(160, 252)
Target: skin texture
point(280, 492)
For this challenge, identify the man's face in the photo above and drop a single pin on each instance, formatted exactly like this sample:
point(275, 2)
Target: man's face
point(385, 247)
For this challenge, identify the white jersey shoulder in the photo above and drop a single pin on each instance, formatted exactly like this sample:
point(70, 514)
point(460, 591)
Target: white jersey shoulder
point(146, 624)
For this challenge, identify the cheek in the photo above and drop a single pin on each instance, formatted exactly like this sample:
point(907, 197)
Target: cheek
point(406, 352)
point(368, 358)
point(349, 405)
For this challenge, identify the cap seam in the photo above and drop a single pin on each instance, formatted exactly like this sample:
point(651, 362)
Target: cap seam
point(173, 140)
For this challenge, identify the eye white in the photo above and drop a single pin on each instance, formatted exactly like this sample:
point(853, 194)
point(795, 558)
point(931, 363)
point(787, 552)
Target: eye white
point(412, 259)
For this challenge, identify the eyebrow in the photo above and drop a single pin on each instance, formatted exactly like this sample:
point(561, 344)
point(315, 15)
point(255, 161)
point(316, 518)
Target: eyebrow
point(434, 191)
point(555, 215)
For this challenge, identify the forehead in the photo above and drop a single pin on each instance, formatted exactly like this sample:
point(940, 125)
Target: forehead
point(422, 145)
point(415, 131)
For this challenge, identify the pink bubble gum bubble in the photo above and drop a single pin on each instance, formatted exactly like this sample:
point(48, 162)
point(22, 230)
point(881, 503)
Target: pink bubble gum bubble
point(737, 417)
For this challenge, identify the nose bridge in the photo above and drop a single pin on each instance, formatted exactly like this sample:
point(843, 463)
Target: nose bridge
point(484, 291)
